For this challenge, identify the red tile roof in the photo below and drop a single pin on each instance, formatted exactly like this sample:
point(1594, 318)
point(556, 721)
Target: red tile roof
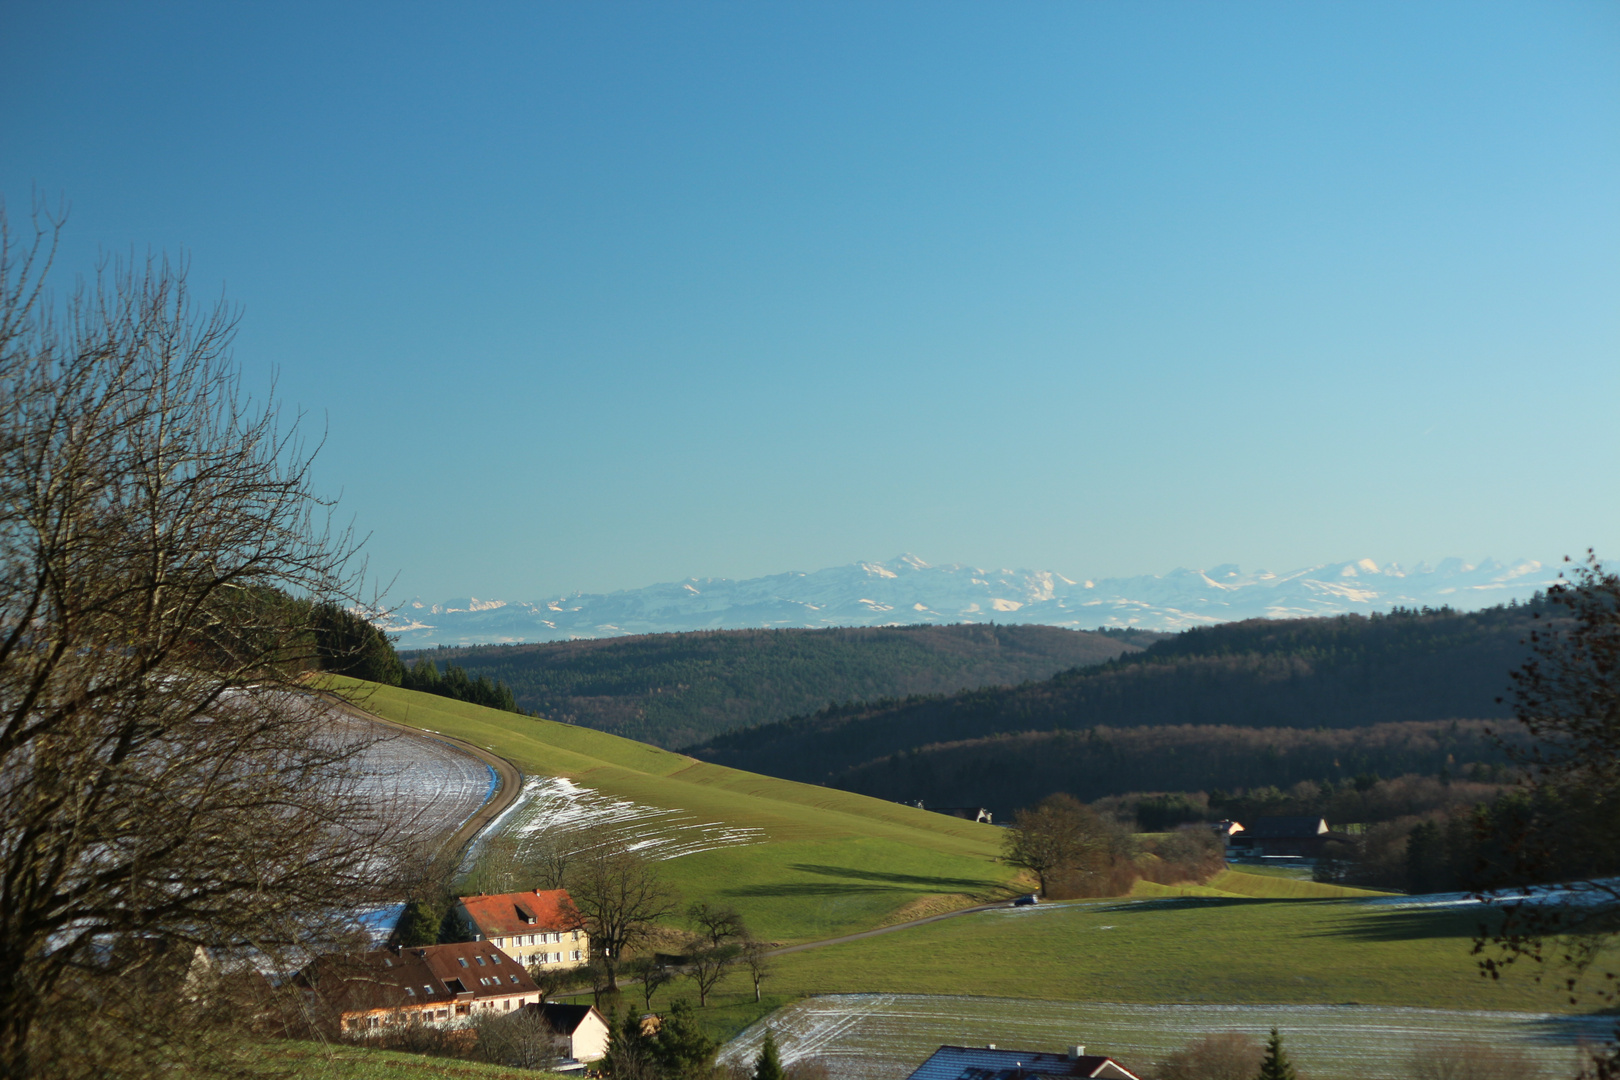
point(506, 914)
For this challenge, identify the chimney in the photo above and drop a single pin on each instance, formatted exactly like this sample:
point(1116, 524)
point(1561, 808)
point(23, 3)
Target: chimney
point(1076, 1051)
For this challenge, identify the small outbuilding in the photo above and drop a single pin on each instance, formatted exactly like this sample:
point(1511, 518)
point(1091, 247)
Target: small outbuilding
point(583, 1028)
point(990, 1063)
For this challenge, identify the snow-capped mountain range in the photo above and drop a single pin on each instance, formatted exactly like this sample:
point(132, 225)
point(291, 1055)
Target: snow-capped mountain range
point(907, 590)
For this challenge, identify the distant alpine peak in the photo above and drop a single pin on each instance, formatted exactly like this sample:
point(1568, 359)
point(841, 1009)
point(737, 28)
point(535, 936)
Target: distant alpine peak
point(907, 589)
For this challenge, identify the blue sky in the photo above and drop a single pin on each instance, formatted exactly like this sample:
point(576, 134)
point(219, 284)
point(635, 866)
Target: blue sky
point(591, 296)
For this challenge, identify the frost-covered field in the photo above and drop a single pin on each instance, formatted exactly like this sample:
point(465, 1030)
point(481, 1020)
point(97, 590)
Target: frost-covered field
point(418, 779)
point(886, 1036)
point(556, 805)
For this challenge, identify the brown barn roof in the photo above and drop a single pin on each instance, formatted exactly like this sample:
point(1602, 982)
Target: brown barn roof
point(434, 974)
point(506, 914)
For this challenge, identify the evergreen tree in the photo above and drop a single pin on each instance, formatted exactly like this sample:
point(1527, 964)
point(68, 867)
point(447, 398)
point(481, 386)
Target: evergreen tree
point(768, 1066)
point(630, 1054)
point(683, 1049)
point(1276, 1065)
point(418, 925)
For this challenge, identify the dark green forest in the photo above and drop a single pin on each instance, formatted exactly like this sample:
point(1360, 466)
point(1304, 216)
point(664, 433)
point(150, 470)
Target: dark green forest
point(675, 689)
point(1260, 701)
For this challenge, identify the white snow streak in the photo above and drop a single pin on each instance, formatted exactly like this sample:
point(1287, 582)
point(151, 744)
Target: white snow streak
point(551, 804)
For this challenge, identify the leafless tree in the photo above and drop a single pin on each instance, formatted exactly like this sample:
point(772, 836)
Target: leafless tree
point(1227, 1055)
point(1472, 1061)
point(1567, 697)
point(164, 783)
point(756, 957)
point(620, 896)
point(707, 965)
point(718, 924)
point(651, 974)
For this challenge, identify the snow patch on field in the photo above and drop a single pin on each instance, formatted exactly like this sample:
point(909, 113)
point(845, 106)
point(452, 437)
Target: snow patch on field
point(553, 804)
point(886, 1036)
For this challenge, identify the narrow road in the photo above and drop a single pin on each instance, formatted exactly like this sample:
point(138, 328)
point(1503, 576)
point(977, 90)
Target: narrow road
point(508, 777)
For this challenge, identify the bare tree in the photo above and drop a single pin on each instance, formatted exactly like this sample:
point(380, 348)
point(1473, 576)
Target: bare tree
point(164, 783)
point(1058, 836)
point(718, 924)
point(1227, 1055)
point(708, 965)
point(1472, 1061)
point(620, 896)
point(1562, 856)
point(756, 957)
point(651, 974)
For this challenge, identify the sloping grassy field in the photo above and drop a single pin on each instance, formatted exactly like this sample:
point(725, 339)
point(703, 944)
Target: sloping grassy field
point(826, 862)
point(1232, 950)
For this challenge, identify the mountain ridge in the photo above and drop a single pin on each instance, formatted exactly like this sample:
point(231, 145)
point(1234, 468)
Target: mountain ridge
point(908, 591)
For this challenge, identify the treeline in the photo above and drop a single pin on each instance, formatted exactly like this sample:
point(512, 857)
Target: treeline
point(1547, 833)
point(455, 683)
point(676, 689)
point(1005, 772)
point(347, 644)
point(1343, 673)
point(1361, 800)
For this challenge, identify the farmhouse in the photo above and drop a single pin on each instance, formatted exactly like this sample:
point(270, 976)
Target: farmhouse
point(435, 984)
point(989, 1063)
point(1301, 837)
point(539, 928)
point(583, 1028)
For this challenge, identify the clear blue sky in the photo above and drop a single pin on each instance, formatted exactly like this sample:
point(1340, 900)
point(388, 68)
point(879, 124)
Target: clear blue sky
point(597, 295)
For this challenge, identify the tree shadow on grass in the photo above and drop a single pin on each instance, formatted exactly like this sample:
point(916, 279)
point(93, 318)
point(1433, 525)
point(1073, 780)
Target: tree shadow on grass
point(863, 881)
point(1410, 925)
point(943, 883)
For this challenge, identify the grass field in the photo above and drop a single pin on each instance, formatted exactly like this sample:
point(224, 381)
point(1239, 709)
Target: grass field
point(314, 1061)
point(885, 1036)
point(825, 863)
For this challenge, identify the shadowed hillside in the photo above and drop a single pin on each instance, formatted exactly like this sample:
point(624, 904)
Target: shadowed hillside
point(673, 689)
point(1364, 681)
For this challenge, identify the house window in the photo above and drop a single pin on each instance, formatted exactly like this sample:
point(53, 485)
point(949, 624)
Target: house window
point(576, 954)
point(410, 992)
point(428, 990)
point(496, 957)
point(461, 1010)
point(463, 960)
point(507, 1004)
point(480, 960)
point(514, 979)
point(499, 942)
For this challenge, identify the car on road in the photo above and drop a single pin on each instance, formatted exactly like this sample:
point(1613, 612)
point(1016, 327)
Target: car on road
point(1026, 900)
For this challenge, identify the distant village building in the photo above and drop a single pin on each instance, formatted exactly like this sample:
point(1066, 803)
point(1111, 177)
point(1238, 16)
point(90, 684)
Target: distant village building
point(434, 984)
point(989, 1063)
point(1299, 837)
point(540, 928)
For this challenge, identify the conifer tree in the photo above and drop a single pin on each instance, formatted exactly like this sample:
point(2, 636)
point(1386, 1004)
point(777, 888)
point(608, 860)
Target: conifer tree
point(768, 1066)
point(1276, 1065)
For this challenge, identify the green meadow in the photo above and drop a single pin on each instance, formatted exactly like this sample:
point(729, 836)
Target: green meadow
point(827, 862)
point(832, 863)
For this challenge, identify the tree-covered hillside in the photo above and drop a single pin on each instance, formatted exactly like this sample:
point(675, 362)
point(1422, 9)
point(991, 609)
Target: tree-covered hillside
point(1351, 689)
point(674, 689)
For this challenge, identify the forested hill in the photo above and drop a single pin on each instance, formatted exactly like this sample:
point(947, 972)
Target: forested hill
point(674, 689)
point(1382, 673)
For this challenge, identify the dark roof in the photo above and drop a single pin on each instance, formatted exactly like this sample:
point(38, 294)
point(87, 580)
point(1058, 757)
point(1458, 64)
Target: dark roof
point(435, 974)
point(1280, 828)
point(979, 1063)
point(565, 1019)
